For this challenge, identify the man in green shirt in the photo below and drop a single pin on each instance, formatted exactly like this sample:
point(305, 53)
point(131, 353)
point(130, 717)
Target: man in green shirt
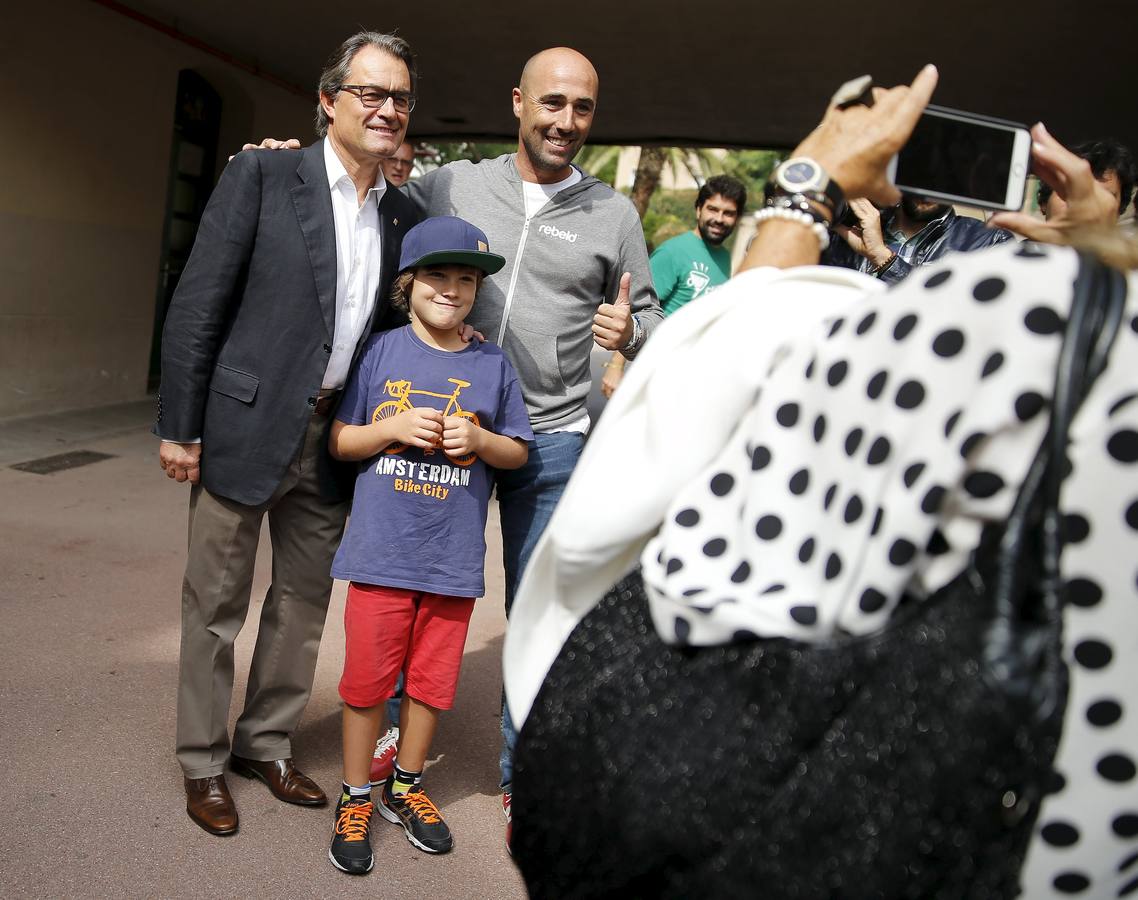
point(691, 264)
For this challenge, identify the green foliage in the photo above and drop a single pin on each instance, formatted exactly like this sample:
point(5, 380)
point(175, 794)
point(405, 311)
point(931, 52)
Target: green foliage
point(669, 212)
point(443, 153)
point(600, 161)
point(673, 212)
point(752, 167)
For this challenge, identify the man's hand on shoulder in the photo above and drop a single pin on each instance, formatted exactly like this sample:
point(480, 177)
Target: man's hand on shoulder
point(182, 462)
point(273, 144)
point(469, 333)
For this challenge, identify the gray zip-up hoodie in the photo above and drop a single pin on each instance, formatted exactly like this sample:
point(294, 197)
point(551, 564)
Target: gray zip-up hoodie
point(560, 265)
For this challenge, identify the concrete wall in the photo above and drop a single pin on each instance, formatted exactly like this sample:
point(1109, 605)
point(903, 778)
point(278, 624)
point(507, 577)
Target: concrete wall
point(88, 100)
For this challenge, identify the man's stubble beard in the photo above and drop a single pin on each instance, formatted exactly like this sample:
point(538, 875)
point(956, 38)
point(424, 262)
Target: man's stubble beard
point(913, 211)
point(715, 242)
point(539, 160)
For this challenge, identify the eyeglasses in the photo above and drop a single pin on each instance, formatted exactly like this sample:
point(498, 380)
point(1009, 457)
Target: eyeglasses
point(373, 97)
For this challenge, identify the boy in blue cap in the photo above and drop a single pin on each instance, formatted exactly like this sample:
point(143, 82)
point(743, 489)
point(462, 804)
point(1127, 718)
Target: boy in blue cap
point(430, 415)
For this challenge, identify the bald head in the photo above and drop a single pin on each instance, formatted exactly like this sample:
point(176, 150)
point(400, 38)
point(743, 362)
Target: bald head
point(563, 61)
point(554, 103)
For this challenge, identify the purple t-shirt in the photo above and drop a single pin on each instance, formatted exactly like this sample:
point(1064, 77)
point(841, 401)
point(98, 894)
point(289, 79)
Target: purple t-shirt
point(419, 517)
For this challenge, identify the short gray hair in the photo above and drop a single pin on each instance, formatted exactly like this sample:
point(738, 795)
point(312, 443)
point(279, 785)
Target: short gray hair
point(339, 65)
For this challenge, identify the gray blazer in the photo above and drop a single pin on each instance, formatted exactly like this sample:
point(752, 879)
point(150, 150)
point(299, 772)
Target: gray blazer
point(249, 330)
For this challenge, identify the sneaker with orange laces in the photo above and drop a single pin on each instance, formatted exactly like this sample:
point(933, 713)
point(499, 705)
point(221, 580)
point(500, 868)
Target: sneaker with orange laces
point(351, 843)
point(507, 800)
point(420, 818)
point(383, 760)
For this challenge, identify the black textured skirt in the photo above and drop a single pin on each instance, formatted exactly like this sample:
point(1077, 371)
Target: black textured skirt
point(880, 768)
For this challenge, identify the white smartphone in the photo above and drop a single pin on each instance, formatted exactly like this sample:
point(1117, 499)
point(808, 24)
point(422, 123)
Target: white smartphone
point(960, 157)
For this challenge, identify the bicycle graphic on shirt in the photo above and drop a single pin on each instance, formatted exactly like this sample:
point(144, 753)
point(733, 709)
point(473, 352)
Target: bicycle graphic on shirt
point(402, 391)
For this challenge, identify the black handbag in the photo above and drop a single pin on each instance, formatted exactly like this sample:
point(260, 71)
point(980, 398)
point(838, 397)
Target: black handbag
point(910, 763)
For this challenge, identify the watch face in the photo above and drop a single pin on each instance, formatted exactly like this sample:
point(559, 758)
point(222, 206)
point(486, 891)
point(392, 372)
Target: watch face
point(799, 173)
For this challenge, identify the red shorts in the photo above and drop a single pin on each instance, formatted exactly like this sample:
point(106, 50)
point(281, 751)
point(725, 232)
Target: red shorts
point(389, 630)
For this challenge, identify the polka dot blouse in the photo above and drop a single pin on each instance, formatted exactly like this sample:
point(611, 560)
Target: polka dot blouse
point(875, 451)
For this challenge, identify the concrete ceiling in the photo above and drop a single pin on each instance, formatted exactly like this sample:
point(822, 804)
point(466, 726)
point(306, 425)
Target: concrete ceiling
point(714, 72)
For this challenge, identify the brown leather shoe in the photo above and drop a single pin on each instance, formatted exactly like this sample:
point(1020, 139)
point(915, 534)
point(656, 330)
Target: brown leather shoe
point(284, 779)
point(208, 803)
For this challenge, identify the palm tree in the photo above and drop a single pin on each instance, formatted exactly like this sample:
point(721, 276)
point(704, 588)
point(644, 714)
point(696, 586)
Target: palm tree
point(700, 163)
point(595, 158)
point(647, 177)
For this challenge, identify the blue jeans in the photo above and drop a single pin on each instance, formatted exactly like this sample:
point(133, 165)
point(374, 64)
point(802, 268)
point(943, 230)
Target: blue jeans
point(526, 499)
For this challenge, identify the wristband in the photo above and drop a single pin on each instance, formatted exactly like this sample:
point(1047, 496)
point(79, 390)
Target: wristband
point(637, 337)
point(880, 270)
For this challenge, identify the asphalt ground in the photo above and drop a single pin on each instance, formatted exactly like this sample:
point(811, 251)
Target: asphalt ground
point(91, 564)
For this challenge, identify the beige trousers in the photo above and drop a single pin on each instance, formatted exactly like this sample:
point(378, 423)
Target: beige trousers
point(305, 531)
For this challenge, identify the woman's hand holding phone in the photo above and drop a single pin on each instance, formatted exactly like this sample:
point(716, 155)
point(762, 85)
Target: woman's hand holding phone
point(1087, 204)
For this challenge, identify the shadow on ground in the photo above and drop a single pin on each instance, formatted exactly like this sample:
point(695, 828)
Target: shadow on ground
point(91, 560)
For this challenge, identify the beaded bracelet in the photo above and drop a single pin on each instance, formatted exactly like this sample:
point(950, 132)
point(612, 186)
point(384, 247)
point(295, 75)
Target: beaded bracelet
point(802, 217)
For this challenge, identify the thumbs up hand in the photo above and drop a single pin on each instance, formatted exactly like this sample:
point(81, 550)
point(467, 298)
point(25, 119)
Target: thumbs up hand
point(612, 325)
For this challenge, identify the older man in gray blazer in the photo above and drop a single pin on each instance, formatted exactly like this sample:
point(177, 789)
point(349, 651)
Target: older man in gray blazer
point(290, 272)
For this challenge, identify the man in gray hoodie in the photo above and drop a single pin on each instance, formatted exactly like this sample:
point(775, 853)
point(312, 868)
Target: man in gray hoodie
point(576, 273)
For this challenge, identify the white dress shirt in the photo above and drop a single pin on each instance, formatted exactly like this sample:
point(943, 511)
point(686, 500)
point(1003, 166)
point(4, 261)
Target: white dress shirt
point(357, 264)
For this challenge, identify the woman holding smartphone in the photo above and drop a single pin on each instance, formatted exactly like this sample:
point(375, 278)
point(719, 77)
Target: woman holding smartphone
point(843, 448)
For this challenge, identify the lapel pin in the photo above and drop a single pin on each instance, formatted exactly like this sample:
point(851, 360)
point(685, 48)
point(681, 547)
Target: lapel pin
point(394, 221)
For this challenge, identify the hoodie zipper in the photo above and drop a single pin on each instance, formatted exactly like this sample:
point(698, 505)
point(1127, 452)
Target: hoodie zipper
point(518, 256)
point(514, 275)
